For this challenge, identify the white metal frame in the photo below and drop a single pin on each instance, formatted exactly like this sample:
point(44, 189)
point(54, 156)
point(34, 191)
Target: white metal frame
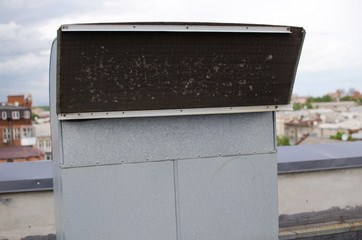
point(173, 112)
point(175, 28)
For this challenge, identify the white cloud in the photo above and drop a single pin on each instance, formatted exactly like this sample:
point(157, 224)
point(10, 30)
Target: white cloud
point(24, 64)
point(10, 31)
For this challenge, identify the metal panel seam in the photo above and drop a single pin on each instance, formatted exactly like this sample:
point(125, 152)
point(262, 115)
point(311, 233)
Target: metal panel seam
point(177, 200)
point(163, 160)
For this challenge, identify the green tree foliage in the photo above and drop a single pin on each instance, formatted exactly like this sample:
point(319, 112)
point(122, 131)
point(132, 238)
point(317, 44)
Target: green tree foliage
point(339, 135)
point(346, 98)
point(33, 116)
point(325, 98)
point(297, 106)
point(283, 141)
point(46, 108)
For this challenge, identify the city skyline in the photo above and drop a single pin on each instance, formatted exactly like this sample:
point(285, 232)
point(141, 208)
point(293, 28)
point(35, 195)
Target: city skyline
point(330, 58)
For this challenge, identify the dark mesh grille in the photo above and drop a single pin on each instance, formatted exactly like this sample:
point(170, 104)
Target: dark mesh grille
point(121, 71)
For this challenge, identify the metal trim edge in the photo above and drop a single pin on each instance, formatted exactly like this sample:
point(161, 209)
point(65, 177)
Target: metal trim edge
point(173, 112)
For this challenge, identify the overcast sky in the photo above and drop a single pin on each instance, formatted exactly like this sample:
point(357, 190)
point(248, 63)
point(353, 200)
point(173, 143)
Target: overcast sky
point(331, 57)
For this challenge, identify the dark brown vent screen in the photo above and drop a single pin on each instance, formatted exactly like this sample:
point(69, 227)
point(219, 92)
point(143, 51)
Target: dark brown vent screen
point(126, 70)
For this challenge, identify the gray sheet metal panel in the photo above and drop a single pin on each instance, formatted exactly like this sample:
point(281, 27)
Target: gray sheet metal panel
point(54, 123)
point(229, 198)
point(129, 201)
point(110, 141)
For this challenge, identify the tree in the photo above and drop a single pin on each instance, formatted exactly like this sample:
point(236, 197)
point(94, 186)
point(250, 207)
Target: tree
point(297, 106)
point(283, 141)
point(339, 135)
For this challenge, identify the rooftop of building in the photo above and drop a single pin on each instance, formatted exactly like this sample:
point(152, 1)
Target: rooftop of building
point(12, 107)
point(19, 152)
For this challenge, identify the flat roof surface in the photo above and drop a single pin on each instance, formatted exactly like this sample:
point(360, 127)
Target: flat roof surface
point(319, 157)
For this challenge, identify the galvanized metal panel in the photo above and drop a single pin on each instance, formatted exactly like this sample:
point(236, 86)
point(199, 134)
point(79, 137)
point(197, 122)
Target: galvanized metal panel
point(105, 71)
point(55, 125)
point(111, 141)
point(228, 198)
point(130, 201)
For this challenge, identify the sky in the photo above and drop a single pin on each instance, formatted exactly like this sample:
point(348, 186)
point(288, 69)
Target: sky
point(331, 57)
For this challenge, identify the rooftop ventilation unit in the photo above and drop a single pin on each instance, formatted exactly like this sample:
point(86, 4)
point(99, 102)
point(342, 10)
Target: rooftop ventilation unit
point(144, 142)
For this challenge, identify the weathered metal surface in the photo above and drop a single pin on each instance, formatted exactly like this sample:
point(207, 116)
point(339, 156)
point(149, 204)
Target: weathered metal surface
point(229, 197)
point(115, 141)
point(126, 71)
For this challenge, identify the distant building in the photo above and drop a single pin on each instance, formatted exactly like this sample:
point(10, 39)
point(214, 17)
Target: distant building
point(15, 123)
point(301, 100)
point(337, 106)
point(298, 130)
point(43, 139)
point(20, 101)
point(20, 154)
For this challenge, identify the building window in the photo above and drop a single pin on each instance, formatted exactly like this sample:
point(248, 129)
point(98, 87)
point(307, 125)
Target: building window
point(40, 144)
point(47, 144)
point(3, 115)
point(16, 133)
point(26, 114)
point(7, 133)
point(27, 132)
point(48, 156)
point(15, 114)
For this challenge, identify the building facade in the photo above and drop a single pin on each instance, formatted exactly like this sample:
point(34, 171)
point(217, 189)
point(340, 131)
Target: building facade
point(43, 139)
point(15, 126)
